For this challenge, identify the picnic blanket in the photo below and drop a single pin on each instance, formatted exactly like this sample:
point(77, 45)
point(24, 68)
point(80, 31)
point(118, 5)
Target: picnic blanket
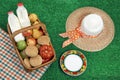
point(10, 66)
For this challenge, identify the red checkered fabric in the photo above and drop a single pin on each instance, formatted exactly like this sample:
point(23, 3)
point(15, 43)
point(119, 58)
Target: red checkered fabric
point(10, 67)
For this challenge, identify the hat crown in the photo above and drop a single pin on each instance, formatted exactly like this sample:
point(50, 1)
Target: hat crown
point(92, 24)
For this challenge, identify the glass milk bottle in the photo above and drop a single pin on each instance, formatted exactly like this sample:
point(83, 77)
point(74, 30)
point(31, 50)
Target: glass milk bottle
point(23, 15)
point(14, 26)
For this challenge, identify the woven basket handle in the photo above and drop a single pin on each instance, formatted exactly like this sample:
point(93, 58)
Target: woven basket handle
point(27, 28)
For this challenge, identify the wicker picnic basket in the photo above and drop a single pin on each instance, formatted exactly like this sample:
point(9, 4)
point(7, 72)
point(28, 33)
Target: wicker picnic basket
point(12, 35)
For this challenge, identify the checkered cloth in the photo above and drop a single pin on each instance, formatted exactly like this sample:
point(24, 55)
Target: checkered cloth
point(10, 67)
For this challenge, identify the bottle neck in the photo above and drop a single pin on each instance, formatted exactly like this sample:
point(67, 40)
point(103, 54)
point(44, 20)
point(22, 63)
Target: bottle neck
point(20, 6)
point(11, 14)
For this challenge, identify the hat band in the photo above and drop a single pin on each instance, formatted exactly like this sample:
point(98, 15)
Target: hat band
point(74, 35)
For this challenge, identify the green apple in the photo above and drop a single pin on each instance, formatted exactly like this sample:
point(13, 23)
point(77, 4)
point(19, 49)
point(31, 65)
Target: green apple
point(23, 54)
point(21, 45)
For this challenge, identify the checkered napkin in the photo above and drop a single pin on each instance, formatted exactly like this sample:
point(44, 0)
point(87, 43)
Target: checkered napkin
point(10, 67)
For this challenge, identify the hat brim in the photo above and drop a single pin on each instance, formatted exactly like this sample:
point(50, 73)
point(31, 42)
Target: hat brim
point(91, 44)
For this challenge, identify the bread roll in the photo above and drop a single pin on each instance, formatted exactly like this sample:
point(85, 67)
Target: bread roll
point(31, 51)
point(36, 61)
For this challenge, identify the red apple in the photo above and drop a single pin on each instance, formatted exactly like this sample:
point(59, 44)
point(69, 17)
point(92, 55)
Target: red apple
point(27, 33)
point(31, 41)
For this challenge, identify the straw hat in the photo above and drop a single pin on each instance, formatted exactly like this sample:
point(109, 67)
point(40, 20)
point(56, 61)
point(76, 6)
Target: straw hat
point(91, 44)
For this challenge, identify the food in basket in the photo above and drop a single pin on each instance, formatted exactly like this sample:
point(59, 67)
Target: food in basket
point(21, 45)
point(43, 40)
point(36, 61)
point(27, 33)
point(23, 54)
point(31, 51)
point(45, 60)
point(33, 17)
point(27, 62)
point(46, 52)
point(38, 46)
point(36, 22)
point(31, 41)
point(41, 32)
point(36, 33)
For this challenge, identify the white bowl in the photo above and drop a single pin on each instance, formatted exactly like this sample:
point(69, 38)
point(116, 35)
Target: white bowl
point(92, 24)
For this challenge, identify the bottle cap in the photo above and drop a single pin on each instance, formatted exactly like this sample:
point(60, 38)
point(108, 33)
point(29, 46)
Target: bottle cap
point(20, 4)
point(10, 12)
